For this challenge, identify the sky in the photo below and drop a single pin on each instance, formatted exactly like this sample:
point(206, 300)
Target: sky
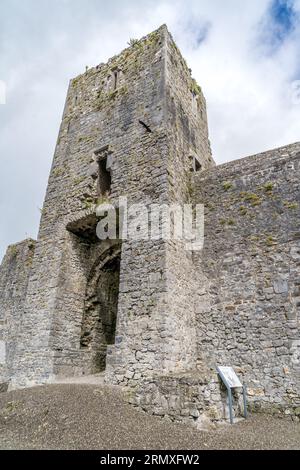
point(244, 54)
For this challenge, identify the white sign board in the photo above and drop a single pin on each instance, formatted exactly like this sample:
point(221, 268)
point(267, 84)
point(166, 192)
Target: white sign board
point(230, 376)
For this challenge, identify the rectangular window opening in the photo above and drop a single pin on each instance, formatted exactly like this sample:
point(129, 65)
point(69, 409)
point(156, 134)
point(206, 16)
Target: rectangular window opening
point(104, 180)
point(115, 80)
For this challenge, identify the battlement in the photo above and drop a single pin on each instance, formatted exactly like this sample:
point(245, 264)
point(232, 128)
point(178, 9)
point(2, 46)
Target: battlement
point(259, 161)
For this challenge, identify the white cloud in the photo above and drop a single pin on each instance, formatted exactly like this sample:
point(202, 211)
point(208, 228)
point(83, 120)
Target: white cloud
point(46, 42)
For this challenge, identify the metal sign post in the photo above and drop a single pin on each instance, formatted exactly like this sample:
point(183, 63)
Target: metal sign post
point(231, 381)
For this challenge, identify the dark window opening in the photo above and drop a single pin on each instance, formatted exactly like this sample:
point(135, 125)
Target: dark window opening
point(198, 165)
point(98, 328)
point(115, 83)
point(114, 79)
point(104, 178)
point(148, 129)
point(195, 165)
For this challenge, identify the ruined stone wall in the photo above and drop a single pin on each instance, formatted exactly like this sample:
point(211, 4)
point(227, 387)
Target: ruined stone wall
point(251, 257)
point(191, 397)
point(14, 275)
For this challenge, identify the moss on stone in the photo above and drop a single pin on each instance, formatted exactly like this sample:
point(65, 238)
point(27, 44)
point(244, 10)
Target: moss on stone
point(195, 88)
point(57, 172)
point(227, 186)
point(252, 198)
point(268, 187)
point(104, 199)
point(229, 222)
point(270, 241)
point(243, 210)
point(12, 250)
point(291, 205)
point(78, 180)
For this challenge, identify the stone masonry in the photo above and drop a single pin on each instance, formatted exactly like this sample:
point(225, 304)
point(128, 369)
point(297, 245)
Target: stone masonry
point(154, 317)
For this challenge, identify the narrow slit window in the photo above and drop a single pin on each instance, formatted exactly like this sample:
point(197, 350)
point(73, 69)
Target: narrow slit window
point(115, 82)
point(104, 179)
point(194, 103)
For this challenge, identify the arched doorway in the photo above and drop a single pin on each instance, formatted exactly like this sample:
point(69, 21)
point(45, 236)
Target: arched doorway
point(101, 306)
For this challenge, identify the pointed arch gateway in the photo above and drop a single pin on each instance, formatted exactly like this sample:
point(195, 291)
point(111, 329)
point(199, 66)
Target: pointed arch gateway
point(101, 306)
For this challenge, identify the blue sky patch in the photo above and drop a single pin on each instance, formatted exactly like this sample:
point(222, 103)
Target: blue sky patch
point(278, 24)
point(283, 15)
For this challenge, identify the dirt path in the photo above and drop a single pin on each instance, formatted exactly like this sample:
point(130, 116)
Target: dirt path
point(80, 416)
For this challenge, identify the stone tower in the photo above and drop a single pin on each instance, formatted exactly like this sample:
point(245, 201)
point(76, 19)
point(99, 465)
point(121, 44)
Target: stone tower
point(148, 313)
point(133, 127)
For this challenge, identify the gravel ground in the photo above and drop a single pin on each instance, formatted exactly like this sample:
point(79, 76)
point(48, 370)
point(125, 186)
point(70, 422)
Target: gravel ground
point(77, 416)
